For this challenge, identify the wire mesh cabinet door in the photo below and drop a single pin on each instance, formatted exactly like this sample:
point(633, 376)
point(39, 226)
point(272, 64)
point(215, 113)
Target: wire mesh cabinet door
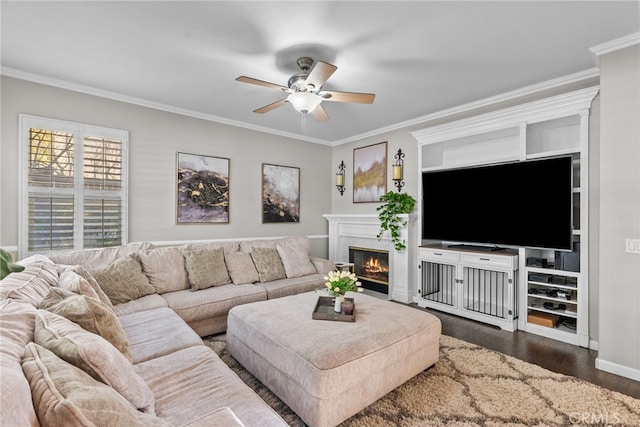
point(439, 282)
point(439, 273)
point(490, 292)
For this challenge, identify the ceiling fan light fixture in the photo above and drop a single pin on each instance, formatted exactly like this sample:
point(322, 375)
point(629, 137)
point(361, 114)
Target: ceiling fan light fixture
point(304, 102)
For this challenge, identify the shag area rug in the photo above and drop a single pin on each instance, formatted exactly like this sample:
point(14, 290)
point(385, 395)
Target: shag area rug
point(473, 386)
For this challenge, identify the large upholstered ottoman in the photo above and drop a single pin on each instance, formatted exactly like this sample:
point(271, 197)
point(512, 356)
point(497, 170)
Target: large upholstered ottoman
point(327, 371)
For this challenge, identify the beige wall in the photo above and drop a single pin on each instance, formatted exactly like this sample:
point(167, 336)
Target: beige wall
point(155, 137)
point(619, 313)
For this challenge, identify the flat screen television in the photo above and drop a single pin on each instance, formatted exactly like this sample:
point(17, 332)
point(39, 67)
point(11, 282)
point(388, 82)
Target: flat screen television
point(527, 203)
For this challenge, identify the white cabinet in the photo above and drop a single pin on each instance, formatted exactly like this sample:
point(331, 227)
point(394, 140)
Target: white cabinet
point(479, 286)
point(540, 129)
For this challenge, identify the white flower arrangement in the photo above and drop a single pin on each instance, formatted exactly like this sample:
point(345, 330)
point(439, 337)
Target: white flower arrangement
point(339, 283)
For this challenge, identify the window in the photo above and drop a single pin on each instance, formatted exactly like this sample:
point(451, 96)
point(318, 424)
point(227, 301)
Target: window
point(73, 186)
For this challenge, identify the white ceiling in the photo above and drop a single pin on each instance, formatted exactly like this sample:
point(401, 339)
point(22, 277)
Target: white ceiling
point(418, 57)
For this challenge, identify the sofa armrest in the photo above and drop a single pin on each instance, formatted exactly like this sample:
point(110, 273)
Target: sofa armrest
point(223, 417)
point(323, 266)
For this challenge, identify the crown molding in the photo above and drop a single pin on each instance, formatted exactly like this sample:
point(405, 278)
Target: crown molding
point(549, 84)
point(613, 45)
point(507, 96)
point(531, 112)
point(88, 90)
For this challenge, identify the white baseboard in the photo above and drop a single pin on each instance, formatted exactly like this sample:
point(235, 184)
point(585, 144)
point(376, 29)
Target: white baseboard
point(593, 345)
point(615, 368)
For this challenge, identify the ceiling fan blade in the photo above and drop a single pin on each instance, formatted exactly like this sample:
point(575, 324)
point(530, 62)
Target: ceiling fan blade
point(251, 80)
point(271, 106)
point(360, 98)
point(320, 114)
point(319, 74)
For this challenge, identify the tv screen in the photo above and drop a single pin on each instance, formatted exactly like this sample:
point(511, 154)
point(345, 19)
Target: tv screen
point(526, 203)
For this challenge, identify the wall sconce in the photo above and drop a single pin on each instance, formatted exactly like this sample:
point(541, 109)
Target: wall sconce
point(340, 178)
point(397, 169)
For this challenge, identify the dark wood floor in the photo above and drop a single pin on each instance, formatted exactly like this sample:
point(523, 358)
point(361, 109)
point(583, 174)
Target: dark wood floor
point(548, 353)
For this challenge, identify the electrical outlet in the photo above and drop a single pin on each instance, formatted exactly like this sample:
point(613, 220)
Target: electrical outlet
point(633, 246)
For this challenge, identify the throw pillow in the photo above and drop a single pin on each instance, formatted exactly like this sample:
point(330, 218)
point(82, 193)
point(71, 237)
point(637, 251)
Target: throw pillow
point(72, 281)
point(94, 355)
point(296, 261)
point(89, 314)
point(241, 268)
point(268, 264)
point(165, 269)
point(94, 284)
point(123, 280)
point(33, 283)
point(17, 321)
point(64, 395)
point(206, 268)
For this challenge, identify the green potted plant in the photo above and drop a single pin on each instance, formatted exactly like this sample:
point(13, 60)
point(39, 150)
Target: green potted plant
point(7, 266)
point(394, 204)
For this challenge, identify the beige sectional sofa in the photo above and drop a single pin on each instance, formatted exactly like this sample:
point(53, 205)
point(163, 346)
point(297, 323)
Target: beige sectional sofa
point(112, 336)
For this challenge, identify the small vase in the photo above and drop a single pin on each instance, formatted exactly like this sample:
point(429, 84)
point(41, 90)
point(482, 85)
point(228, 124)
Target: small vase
point(337, 305)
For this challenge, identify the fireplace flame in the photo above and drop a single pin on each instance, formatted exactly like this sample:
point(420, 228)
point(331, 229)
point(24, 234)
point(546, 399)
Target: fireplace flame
point(373, 266)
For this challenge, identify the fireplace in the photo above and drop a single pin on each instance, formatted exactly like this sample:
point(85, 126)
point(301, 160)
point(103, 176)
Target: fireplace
point(371, 266)
point(361, 231)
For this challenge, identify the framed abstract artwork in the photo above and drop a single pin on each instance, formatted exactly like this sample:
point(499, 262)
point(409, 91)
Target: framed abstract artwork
point(202, 189)
point(369, 173)
point(280, 193)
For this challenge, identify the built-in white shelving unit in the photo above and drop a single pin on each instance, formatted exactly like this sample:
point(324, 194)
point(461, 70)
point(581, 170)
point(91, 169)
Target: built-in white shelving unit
point(540, 129)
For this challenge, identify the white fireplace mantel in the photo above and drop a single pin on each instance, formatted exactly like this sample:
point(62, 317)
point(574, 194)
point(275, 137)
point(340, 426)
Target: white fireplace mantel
point(361, 230)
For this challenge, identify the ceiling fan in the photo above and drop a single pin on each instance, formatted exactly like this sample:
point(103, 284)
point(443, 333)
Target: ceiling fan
point(305, 90)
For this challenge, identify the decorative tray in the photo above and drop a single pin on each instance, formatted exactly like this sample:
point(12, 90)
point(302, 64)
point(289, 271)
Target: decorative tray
point(324, 311)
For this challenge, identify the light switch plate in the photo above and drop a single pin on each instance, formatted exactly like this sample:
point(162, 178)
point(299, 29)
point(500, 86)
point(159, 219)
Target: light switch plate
point(633, 246)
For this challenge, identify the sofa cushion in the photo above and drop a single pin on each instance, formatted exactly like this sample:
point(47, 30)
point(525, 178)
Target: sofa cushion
point(247, 245)
point(190, 383)
point(302, 241)
point(227, 246)
point(268, 264)
point(323, 266)
point(154, 333)
point(123, 280)
point(206, 268)
point(33, 283)
point(212, 302)
point(92, 259)
point(165, 269)
point(296, 260)
point(283, 287)
point(73, 282)
point(221, 417)
point(64, 395)
point(17, 320)
point(241, 268)
point(90, 314)
point(86, 275)
point(94, 355)
point(147, 302)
